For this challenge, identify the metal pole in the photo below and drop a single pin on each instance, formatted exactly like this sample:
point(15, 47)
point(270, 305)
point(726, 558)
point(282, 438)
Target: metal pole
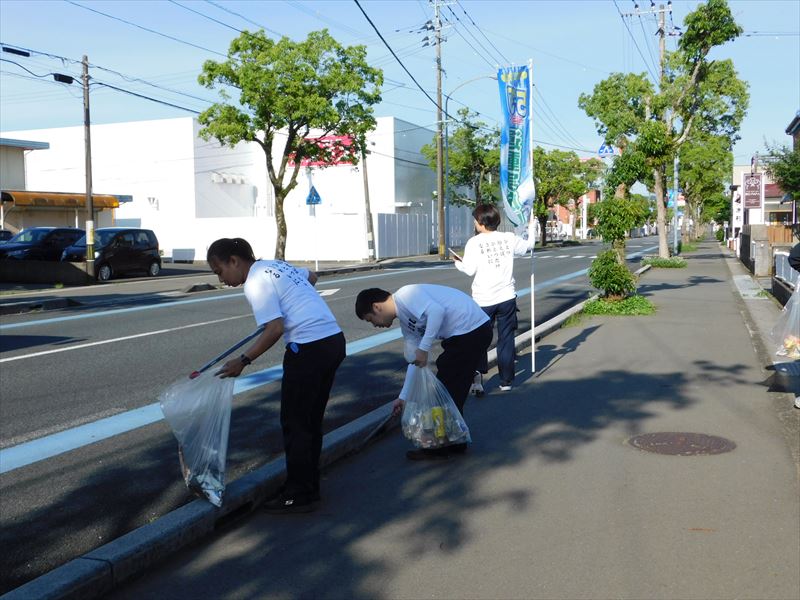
point(439, 150)
point(447, 174)
point(530, 222)
point(88, 161)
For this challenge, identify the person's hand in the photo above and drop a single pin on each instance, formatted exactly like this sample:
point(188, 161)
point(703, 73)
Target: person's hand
point(232, 368)
point(420, 358)
point(397, 407)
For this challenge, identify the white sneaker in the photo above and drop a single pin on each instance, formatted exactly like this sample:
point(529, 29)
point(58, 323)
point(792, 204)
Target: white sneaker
point(505, 388)
point(797, 402)
point(477, 385)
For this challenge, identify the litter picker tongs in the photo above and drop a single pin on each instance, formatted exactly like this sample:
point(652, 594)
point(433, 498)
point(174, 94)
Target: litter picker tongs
point(227, 352)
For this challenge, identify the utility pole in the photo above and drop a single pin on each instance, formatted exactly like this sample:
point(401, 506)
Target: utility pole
point(439, 137)
point(367, 210)
point(88, 160)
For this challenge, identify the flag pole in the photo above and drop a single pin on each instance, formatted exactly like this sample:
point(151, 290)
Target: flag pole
point(531, 229)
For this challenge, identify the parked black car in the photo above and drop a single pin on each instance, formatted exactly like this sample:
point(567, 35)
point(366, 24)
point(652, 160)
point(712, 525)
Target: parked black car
point(5, 235)
point(119, 250)
point(40, 243)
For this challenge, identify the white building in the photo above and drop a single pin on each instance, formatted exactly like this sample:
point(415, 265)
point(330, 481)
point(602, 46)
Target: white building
point(191, 192)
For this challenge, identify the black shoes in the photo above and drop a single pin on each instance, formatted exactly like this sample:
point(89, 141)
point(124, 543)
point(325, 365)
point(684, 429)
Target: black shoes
point(285, 505)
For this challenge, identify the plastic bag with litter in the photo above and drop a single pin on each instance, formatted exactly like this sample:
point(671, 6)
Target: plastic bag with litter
point(199, 412)
point(430, 417)
point(786, 332)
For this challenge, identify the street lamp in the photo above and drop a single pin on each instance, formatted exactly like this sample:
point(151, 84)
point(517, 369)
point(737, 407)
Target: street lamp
point(447, 155)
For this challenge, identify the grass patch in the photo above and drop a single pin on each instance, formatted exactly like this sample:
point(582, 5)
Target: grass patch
point(763, 294)
point(688, 247)
point(572, 320)
point(673, 262)
point(632, 305)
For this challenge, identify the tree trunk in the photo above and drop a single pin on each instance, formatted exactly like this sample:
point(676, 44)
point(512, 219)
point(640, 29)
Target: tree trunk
point(687, 212)
point(280, 220)
point(543, 228)
point(661, 213)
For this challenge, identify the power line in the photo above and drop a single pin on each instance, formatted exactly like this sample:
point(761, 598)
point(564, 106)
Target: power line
point(205, 16)
point(464, 10)
point(474, 38)
point(385, 43)
point(153, 31)
point(113, 87)
point(646, 44)
point(241, 16)
point(625, 23)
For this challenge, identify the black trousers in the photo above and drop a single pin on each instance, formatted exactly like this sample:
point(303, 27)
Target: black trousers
point(462, 356)
point(308, 377)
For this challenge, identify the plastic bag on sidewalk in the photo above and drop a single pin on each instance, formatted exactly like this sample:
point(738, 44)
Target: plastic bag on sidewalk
point(199, 413)
point(786, 333)
point(430, 417)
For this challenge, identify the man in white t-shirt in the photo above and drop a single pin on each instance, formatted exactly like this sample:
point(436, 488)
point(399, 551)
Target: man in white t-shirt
point(427, 313)
point(285, 303)
point(489, 256)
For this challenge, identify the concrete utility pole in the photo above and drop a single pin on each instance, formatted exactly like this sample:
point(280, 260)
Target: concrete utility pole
point(367, 210)
point(439, 136)
point(88, 161)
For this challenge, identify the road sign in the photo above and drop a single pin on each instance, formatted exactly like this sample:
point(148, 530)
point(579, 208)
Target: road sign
point(313, 197)
point(605, 150)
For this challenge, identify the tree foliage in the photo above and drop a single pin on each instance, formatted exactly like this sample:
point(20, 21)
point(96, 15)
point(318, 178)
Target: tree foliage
point(696, 96)
point(785, 169)
point(706, 162)
point(560, 176)
point(298, 91)
point(473, 161)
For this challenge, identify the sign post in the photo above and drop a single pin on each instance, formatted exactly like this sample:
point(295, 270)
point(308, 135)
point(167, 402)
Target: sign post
point(312, 200)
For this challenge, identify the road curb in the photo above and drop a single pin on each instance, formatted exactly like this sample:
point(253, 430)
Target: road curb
point(103, 569)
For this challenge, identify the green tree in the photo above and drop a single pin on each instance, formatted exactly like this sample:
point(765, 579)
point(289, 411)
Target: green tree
point(294, 90)
point(785, 169)
point(706, 162)
point(559, 177)
point(473, 161)
point(695, 94)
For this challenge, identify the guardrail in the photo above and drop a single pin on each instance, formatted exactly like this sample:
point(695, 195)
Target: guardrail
point(783, 271)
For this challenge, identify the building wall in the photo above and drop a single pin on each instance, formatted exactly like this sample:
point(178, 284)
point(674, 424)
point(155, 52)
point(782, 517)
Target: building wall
point(12, 168)
point(191, 191)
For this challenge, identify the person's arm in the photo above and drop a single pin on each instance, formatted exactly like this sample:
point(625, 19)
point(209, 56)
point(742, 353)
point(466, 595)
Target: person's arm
point(468, 263)
point(271, 334)
point(312, 277)
point(435, 317)
point(523, 246)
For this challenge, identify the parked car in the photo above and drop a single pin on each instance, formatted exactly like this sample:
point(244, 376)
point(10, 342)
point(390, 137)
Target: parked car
point(5, 235)
point(40, 243)
point(119, 250)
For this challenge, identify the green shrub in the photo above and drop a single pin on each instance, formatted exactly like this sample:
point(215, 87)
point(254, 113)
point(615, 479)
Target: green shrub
point(632, 305)
point(610, 277)
point(720, 235)
point(673, 262)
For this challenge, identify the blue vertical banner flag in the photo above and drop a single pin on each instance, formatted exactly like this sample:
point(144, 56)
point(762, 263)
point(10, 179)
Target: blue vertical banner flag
point(516, 161)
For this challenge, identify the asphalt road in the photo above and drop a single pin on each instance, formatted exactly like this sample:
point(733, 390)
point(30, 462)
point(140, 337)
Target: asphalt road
point(80, 375)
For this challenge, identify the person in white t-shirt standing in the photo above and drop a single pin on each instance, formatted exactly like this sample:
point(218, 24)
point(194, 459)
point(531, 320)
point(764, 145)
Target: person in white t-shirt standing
point(284, 301)
point(427, 313)
point(489, 256)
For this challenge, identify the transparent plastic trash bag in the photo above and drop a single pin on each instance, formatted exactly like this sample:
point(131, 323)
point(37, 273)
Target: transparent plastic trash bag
point(786, 333)
point(199, 412)
point(430, 417)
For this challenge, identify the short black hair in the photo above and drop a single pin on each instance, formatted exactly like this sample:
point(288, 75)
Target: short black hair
point(487, 215)
point(366, 298)
point(223, 248)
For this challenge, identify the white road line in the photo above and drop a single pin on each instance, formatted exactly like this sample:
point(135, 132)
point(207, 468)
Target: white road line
point(120, 339)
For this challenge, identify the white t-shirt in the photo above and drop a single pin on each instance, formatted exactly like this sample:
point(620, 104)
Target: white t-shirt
point(490, 258)
point(276, 289)
point(430, 312)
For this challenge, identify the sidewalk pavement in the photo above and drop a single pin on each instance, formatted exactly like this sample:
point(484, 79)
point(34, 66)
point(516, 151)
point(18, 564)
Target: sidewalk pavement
point(552, 500)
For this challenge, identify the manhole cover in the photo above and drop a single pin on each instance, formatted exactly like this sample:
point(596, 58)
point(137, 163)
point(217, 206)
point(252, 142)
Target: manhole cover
point(681, 443)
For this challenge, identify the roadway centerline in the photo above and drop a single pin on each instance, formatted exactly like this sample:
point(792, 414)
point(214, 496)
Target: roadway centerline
point(27, 453)
point(120, 339)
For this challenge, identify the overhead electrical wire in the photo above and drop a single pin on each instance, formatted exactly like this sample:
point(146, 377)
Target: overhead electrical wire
point(400, 62)
point(153, 31)
point(625, 23)
point(464, 10)
point(241, 16)
point(488, 53)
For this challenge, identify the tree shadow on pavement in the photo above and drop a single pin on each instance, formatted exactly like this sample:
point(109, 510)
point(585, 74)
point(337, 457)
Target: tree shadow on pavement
point(379, 506)
point(645, 289)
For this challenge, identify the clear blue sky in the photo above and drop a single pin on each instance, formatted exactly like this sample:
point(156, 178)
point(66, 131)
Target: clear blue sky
point(573, 45)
